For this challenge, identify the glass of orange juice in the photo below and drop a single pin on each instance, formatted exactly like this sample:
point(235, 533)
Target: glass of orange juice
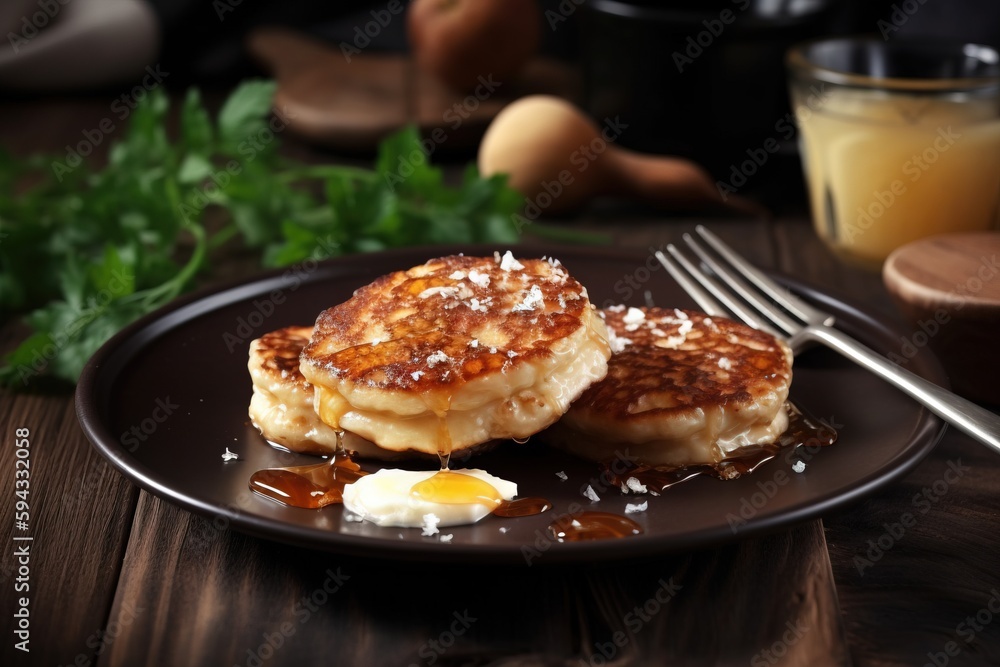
point(899, 140)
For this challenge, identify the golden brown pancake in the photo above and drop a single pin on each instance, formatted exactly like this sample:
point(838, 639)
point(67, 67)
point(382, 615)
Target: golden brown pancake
point(682, 388)
point(282, 404)
point(456, 352)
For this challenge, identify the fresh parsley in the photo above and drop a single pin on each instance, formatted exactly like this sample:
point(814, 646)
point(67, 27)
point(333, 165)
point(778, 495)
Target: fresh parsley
point(84, 252)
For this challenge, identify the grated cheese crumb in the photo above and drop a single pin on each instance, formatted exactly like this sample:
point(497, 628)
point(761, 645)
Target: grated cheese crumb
point(438, 357)
point(479, 279)
point(457, 275)
point(637, 507)
point(635, 485)
point(508, 263)
point(562, 475)
point(504, 529)
point(725, 364)
point(350, 517)
point(416, 375)
point(531, 300)
point(590, 494)
point(474, 343)
point(430, 526)
point(617, 343)
point(446, 538)
point(633, 318)
point(230, 456)
point(680, 314)
point(799, 466)
point(376, 342)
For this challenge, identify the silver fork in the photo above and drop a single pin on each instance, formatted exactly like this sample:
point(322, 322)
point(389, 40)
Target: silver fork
point(742, 290)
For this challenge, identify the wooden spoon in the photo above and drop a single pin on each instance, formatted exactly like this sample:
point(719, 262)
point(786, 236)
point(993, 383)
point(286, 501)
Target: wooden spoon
point(559, 159)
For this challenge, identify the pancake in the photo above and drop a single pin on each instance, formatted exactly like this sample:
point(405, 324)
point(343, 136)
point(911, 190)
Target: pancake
point(682, 388)
point(456, 352)
point(282, 404)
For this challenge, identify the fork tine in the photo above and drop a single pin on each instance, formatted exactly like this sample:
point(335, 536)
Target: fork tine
point(731, 305)
point(792, 304)
point(748, 293)
point(707, 302)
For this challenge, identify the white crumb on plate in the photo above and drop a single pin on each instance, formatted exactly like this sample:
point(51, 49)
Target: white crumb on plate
point(562, 475)
point(230, 456)
point(350, 517)
point(635, 485)
point(504, 529)
point(430, 526)
point(446, 538)
point(590, 494)
point(799, 466)
point(636, 507)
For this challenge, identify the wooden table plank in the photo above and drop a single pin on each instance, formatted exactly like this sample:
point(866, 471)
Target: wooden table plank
point(907, 605)
point(235, 599)
point(80, 513)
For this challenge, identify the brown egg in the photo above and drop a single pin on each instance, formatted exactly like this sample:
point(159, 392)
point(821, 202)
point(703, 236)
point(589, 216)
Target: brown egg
point(558, 158)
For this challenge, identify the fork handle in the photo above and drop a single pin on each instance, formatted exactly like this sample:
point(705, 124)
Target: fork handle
point(965, 415)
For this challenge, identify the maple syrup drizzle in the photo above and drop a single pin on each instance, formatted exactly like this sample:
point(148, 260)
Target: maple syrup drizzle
point(529, 506)
point(593, 526)
point(802, 430)
point(309, 486)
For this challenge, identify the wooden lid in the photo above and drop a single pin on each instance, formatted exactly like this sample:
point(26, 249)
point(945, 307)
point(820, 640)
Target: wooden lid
point(947, 270)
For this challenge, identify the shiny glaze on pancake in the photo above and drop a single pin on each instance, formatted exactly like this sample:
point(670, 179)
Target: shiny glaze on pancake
point(423, 320)
point(673, 361)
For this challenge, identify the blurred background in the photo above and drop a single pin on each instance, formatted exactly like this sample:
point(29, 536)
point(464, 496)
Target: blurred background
point(703, 79)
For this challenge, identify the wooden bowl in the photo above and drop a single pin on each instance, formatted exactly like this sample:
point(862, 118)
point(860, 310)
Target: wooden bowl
point(948, 287)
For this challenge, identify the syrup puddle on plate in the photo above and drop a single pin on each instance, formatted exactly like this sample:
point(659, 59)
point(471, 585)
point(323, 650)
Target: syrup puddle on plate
point(802, 430)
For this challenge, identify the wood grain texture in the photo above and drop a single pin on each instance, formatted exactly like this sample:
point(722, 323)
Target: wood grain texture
point(351, 102)
point(80, 513)
point(910, 601)
point(233, 598)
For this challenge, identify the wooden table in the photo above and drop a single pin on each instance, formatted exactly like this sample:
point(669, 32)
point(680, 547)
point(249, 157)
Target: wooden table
point(119, 577)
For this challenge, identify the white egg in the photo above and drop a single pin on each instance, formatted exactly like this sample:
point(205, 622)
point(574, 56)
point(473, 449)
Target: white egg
point(385, 499)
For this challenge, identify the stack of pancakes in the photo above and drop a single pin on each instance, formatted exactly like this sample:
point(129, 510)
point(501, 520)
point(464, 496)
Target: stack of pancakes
point(461, 352)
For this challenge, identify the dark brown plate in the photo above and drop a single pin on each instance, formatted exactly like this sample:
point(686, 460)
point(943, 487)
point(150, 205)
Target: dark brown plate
point(165, 397)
